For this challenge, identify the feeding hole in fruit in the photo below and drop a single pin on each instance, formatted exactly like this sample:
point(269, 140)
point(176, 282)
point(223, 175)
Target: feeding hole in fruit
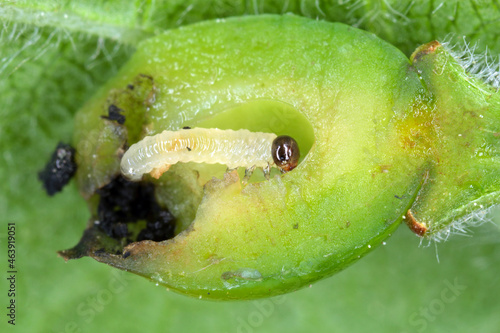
point(240, 148)
point(122, 204)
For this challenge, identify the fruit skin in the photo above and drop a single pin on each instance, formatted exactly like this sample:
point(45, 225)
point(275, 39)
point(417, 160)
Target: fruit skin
point(350, 191)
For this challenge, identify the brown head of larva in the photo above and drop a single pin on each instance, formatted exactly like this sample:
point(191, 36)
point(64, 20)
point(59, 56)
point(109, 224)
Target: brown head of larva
point(285, 153)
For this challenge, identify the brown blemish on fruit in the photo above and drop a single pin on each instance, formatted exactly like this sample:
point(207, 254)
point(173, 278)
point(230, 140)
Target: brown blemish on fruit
point(417, 227)
point(242, 273)
point(347, 225)
point(384, 168)
point(424, 49)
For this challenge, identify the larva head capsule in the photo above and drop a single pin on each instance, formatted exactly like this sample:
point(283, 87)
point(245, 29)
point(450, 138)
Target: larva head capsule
point(285, 153)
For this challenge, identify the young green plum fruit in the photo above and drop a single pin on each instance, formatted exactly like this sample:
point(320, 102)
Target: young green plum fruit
point(382, 139)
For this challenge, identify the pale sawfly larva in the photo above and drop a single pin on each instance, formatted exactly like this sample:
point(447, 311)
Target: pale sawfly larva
point(241, 148)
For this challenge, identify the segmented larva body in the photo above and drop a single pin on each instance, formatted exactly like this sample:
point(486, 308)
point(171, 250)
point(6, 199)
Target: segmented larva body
point(241, 148)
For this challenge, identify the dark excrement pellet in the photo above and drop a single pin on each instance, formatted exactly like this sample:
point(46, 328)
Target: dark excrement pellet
point(59, 170)
point(114, 114)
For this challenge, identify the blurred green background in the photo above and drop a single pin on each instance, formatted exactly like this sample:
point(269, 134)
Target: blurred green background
point(51, 63)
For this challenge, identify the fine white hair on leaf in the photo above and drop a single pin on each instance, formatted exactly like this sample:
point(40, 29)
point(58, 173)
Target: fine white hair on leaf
point(103, 54)
point(11, 59)
point(480, 65)
point(183, 14)
point(377, 13)
point(460, 226)
point(19, 41)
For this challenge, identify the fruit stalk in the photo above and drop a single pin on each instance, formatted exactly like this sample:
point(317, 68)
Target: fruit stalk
point(462, 145)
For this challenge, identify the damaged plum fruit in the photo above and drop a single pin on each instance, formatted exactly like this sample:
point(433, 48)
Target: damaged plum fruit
point(382, 139)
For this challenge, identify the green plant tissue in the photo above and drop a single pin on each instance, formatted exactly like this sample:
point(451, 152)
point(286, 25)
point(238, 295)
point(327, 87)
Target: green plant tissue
point(54, 56)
